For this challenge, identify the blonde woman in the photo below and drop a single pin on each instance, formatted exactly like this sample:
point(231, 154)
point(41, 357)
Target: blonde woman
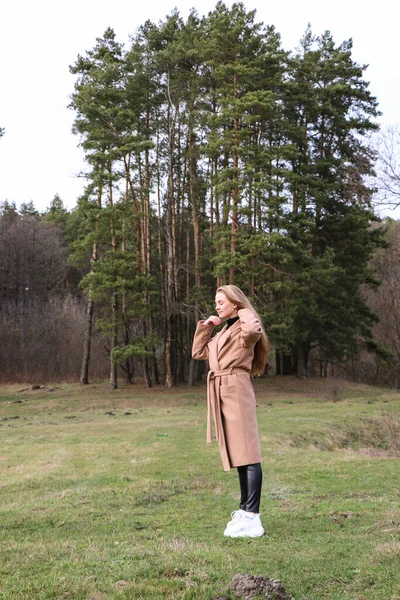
point(239, 350)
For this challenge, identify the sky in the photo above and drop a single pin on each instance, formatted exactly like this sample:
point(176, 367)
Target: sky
point(39, 155)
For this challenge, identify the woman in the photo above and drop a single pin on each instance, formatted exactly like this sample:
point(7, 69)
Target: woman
point(239, 350)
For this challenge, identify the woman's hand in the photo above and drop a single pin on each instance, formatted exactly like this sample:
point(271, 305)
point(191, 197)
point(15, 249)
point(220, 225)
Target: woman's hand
point(213, 320)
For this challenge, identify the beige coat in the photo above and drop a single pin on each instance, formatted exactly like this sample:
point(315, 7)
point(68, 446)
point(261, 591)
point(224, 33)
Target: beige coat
point(230, 392)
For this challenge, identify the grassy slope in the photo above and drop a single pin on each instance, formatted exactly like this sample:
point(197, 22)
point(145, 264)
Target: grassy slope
point(97, 505)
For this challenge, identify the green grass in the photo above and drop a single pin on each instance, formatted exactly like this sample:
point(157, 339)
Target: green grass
point(109, 495)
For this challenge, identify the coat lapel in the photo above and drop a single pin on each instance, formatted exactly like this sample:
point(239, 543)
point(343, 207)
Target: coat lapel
point(225, 335)
point(213, 350)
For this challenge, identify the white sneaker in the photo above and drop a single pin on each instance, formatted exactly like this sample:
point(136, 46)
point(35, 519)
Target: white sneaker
point(243, 525)
point(235, 516)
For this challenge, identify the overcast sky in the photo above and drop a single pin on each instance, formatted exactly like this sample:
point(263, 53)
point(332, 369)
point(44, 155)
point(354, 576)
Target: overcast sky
point(39, 39)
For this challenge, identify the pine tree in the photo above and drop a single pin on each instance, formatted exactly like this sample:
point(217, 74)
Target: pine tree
point(245, 68)
point(329, 112)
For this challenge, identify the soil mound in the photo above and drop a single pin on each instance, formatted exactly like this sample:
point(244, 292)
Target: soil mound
point(247, 587)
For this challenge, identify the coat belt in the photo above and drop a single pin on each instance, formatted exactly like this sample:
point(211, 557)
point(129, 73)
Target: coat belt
point(214, 406)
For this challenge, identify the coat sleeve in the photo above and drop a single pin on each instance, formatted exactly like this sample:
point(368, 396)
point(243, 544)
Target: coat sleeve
point(201, 338)
point(251, 327)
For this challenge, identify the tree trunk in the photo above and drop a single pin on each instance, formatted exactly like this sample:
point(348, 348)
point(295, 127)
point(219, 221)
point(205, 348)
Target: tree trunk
point(145, 361)
point(192, 372)
point(154, 369)
point(235, 190)
point(302, 352)
point(114, 300)
point(135, 205)
point(147, 232)
point(114, 341)
point(196, 223)
point(128, 361)
point(88, 342)
point(169, 295)
point(90, 309)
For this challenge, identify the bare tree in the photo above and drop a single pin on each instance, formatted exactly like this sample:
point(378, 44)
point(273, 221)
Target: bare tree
point(33, 259)
point(385, 302)
point(387, 147)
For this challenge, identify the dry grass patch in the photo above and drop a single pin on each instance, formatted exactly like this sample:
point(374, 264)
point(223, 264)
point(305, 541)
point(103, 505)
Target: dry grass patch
point(390, 549)
point(391, 522)
point(375, 436)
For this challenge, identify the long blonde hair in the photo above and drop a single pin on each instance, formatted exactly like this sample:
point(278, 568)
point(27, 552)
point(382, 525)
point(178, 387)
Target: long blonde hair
point(236, 296)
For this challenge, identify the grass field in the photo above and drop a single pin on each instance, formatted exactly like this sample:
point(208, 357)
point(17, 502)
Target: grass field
point(115, 495)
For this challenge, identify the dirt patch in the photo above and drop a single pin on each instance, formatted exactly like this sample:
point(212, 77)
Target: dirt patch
point(246, 587)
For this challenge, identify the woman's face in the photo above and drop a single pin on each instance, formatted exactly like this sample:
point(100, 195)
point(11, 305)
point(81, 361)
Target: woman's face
point(225, 308)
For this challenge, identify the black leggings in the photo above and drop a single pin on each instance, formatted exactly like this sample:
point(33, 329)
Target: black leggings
point(250, 477)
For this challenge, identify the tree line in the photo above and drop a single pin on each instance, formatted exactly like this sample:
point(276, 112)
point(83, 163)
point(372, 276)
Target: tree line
point(214, 156)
